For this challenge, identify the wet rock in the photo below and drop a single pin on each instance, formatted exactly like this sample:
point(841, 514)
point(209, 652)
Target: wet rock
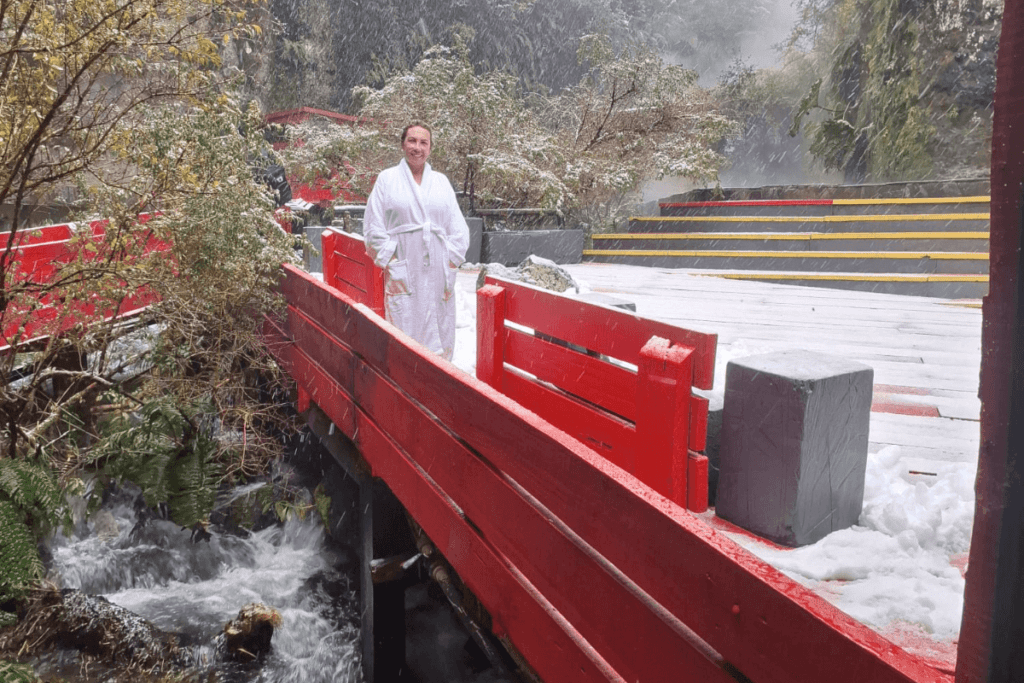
point(70, 619)
point(246, 638)
point(496, 270)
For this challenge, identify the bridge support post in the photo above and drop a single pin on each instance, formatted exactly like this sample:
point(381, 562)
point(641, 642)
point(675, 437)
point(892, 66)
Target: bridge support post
point(383, 533)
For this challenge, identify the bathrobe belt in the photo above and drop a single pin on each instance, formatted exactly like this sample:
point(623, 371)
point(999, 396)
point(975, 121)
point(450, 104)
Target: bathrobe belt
point(428, 229)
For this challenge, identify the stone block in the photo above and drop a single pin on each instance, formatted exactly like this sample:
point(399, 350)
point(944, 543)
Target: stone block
point(476, 236)
point(794, 445)
point(313, 259)
point(511, 247)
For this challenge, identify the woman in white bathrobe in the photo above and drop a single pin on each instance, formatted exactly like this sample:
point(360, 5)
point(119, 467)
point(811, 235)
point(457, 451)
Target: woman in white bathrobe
point(415, 230)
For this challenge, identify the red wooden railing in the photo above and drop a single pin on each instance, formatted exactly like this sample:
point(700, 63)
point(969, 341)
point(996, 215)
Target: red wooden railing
point(37, 256)
point(589, 572)
point(348, 269)
point(47, 233)
point(647, 421)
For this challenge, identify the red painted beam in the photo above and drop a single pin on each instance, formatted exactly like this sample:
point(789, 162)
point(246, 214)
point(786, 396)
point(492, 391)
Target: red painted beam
point(993, 618)
point(348, 268)
point(663, 417)
point(609, 436)
point(46, 233)
point(610, 386)
point(490, 335)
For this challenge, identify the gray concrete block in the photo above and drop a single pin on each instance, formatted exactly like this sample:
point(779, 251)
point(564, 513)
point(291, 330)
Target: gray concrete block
point(313, 259)
point(794, 445)
point(511, 247)
point(476, 236)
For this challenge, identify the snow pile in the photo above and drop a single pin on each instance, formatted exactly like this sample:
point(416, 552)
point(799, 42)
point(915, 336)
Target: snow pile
point(898, 566)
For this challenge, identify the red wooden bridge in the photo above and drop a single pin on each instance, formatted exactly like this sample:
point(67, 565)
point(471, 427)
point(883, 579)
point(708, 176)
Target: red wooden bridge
point(557, 484)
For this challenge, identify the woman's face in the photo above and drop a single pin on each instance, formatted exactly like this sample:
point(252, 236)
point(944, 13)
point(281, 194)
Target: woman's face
point(416, 147)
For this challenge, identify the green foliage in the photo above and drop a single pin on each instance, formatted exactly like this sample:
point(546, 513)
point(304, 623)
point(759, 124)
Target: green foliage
point(11, 672)
point(905, 90)
point(19, 561)
point(322, 503)
point(30, 487)
point(172, 139)
point(31, 506)
point(168, 454)
point(901, 134)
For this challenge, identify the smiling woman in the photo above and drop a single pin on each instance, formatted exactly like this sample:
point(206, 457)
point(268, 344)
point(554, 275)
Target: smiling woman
point(415, 230)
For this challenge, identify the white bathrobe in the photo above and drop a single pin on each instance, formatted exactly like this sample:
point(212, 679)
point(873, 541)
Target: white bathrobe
point(423, 228)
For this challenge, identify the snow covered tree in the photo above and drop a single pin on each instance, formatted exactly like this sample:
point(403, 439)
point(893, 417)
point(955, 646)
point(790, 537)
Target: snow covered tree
point(631, 118)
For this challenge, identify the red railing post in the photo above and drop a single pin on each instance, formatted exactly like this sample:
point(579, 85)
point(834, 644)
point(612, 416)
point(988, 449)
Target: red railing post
point(697, 464)
point(375, 287)
point(664, 377)
point(490, 335)
point(696, 482)
point(328, 249)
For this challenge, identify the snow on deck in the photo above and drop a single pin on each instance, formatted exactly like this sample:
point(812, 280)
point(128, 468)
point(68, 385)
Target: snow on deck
point(901, 570)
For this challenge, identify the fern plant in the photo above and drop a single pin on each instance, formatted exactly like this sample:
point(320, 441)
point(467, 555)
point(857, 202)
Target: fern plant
point(166, 451)
point(31, 505)
point(11, 672)
point(19, 561)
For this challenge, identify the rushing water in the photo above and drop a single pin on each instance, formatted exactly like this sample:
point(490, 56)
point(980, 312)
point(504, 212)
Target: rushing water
point(154, 569)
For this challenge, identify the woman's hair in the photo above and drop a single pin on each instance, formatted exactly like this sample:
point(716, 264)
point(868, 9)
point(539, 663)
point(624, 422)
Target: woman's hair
point(418, 125)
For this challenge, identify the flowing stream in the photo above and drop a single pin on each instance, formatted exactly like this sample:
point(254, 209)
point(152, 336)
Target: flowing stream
point(153, 568)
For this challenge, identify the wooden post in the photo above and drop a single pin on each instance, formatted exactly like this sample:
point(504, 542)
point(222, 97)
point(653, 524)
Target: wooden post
point(490, 334)
point(328, 254)
point(663, 417)
point(697, 464)
point(375, 287)
point(302, 400)
point(347, 455)
point(993, 618)
point(697, 482)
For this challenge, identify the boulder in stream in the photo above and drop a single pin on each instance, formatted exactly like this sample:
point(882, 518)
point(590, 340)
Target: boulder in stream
point(247, 636)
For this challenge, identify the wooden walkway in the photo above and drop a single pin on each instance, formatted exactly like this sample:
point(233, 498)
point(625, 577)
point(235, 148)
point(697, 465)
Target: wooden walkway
point(926, 352)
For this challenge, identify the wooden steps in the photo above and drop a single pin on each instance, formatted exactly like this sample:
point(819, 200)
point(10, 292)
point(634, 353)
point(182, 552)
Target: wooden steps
point(922, 246)
point(827, 207)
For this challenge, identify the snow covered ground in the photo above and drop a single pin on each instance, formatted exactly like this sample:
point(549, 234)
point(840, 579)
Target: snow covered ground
point(900, 571)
